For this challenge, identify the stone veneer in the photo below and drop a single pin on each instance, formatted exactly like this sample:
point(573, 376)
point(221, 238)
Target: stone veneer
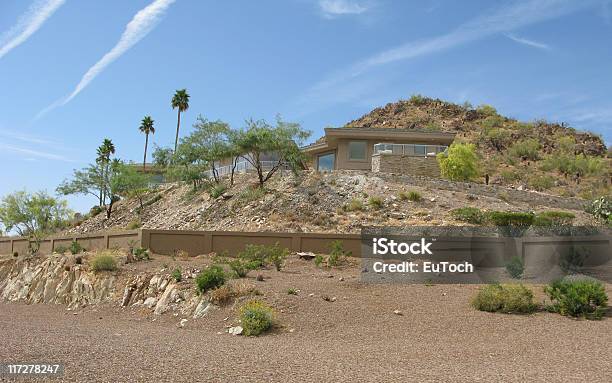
point(409, 165)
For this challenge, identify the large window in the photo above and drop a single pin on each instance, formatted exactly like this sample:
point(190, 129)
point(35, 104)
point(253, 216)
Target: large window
point(357, 150)
point(325, 162)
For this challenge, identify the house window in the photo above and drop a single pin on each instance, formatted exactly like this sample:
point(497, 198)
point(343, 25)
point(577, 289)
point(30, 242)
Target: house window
point(357, 150)
point(325, 162)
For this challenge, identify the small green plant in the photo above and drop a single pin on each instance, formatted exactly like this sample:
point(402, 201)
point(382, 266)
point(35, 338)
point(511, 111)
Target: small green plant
point(292, 291)
point(553, 218)
point(257, 256)
point(601, 208)
point(134, 224)
point(411, 195)
point(242, 267)
point(528, 149)
point(211, 278)
point(318, 260)
point(75, 248)
point(94, 211)
point(354, 205)
point(217, 190)
point(468, 214)
point(256, 317)
point(337, 253)
point(61, 249)
point(141, 254)
point(515, 267)
point(251, 194)
point(510, 218)
point(103, 262)
point(277, 256)
point(541, 183)
point(585, 298)
point(504, 299)
point(375, 202)
point(177, 275)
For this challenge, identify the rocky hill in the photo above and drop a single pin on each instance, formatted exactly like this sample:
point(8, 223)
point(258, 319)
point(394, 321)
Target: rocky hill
point(537, 155)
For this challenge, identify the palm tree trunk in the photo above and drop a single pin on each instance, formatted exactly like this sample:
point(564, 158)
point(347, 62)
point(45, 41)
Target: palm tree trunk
point(144, 161)
point(178, 125)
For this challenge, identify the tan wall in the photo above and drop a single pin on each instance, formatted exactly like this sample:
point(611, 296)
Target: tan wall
point(398, 164)
point(121, 240)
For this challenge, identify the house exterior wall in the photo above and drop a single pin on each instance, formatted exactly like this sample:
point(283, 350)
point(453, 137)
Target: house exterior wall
point(411, 165)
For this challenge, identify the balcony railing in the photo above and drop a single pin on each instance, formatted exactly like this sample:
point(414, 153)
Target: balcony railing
point(415, 150)
point(243, 167)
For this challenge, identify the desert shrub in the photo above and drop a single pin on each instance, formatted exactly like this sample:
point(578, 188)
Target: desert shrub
point(257, 256)
point(61, 249)
point(277, 256)
point(211, 278)
point(256, 317)
point(468, 214)
point(217, 190)
point(515, 267)
point(251, 194)
point(337, 253)
point(601, 208)
point(177, 275)
point(103, 262)
point(221, 295)
point(460, 163)
point(354, 205)
point(75, 248)
point(572, 260)
point(318, 260)
point(510, 175)
point(141, 253)
point(486, 110)
point(134, 224)
point(292, 291)
point(433, 126)
point(553, 218)
point(510, 218)
point(504, 299)
point(411, 195)
point(417, 99)
point(541, 183)
point(95, 210)
point(241, 267)
point(496, 137)
point(577, 297)
point(528, 149)
point(375, 202)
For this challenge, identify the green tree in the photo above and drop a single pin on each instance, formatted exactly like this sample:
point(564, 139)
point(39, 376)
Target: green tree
point(162, 157)
point(460, 163)
point(282, 141)
point(89, 180)
point(180, 101)
point(128, 182)
point(103, 160)
point(210, 141)
point(33, 215)
point(146, 127)
point(188, 164)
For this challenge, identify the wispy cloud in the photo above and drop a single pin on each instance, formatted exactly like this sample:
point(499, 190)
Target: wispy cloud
point(33, 153)
point(528, 42)
point(28, 24)
point(334, 8)
point(501, 20)
point(27, 138)
point(141, 24)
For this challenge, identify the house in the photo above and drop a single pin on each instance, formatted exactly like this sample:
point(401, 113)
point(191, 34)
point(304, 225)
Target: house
point(379, 150)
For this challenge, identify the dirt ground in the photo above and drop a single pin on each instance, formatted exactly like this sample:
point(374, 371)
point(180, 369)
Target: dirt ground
point(356, 337)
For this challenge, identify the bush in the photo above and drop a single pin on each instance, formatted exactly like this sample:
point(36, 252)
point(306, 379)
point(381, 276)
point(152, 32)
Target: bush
point(375, 202)
point(141, 254)
point(571, 261)
point(337, 253)
point(417, 99)
point(134, 224)
point(60, 249)
point(217, 190)
point(460, 163)
point(354, 205)
point(577, 297)
point(510, 175)
point(256, 317)
point(94, 211)
point(103, 262)
point(601, 208)
point(292, 291)
point(75, 248)
point(510, 218)
point(277, 256)
point(497, 138)
point(251, 194)
point(468, 214)
point(541, 183)
point(221, 295)
point(528, 149)
point(260, 255)
point(210, 278)
point(177, 275)
point(515, 267)
point(412, 195)
point(504, 299)
point(486, 110)
point(318, 260)
point(553, 218)
point(241, 267)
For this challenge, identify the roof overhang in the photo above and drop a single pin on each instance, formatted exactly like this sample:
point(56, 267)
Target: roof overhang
point(389, 134)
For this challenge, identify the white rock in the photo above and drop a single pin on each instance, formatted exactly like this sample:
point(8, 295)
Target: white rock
point(150, 302)
point(398, 312)
point(237, 330)
point(202, 309)
point(183, 322)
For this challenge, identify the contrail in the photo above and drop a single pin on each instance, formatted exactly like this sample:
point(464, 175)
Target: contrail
point(28, 24)
point(142, 23)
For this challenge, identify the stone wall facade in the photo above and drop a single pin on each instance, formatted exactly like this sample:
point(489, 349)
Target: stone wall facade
point(409, 165)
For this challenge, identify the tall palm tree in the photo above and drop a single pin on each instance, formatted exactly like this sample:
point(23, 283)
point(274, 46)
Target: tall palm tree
point(146, 126)
point(104, 153)
point(180, 101)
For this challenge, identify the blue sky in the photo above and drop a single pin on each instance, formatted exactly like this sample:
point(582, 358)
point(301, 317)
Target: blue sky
point(74, 72)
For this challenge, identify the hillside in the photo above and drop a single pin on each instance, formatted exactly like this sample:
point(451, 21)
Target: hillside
point(338, 202)
point(535, 155)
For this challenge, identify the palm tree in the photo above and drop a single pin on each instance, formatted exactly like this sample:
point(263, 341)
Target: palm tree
point(104, 152)
point(180, 101)
point(146, 126)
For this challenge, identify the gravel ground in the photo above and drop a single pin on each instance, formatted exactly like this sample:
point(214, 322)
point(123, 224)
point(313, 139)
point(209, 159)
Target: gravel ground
point(358, 338)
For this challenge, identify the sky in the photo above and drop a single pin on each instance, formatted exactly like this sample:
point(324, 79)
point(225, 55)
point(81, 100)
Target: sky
point(75, 72)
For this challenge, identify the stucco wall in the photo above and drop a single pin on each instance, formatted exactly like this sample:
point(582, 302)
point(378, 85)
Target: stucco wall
point(419, 166)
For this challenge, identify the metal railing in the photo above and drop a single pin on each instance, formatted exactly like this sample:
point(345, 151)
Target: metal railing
point(415, 150)
point(243, 167)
